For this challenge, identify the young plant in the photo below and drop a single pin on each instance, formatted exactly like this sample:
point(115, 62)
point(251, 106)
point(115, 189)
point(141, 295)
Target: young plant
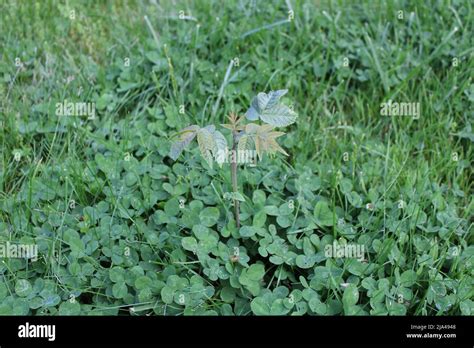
point(245, 137)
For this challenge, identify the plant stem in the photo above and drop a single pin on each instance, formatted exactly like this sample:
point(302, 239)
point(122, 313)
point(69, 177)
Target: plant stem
point(233, 173)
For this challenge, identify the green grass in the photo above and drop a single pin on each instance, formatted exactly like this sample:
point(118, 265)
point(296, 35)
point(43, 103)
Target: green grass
point(101, 199)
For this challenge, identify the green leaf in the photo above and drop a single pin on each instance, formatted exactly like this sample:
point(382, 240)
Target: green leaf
point(259, 198)
point(50, 300)
point(5, 309)
point(285, 209)
point(184, 139)
point(350, 296)
point(234, 195)
point(317, 306)
point(355, 267)
point(189, 243)
point(251, 277)
point(73, 239)
point(143, 282)
point(323, 215)
point(260, 306)
point(119, 290)
point(130, 179)
point(207, 145)
point(172, 207)
point(246, 143)
point(267, 107)
point(467, 307)
point(247, 231)
point(69, 308)
point(105, 164)
point(21, 306)
point(270, 100)
point(304, 261)
point(167, 295)
point(220, 148)
point(256, 271)
point(279, 116)
point(408, 278)
point(228, 294)
point(23, 288)
point(117, 274)
point(345, 185)
point(271, 210)
point(278, 307)
point(209, 216)
point(3, 291)
point(36, 302)
point(354, 199)
point(395, 308)
point(259, 219)
point(284, 221)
